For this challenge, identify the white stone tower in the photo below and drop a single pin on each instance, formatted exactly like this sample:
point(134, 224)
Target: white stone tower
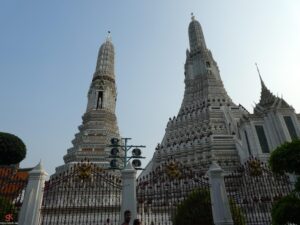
point(99, 122)
point(206, 126)
point(210, 127)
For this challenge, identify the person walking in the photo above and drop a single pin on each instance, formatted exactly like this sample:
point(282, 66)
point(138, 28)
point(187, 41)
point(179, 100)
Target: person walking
point(127, 217)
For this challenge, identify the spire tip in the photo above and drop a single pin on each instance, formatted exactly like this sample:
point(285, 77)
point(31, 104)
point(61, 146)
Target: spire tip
point(258, 72)
point(257, 68)
point(108, 38)
point(192, 16)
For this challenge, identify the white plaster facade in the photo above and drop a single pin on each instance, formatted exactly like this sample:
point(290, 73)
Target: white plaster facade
point(210, 127)
point(99, 122)
point(278, 120)
point(99, 126)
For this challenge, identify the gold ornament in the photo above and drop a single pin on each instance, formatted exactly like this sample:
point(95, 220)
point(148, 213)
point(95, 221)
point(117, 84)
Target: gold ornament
point(255, 168)
point(172, 170)
point(85, 171)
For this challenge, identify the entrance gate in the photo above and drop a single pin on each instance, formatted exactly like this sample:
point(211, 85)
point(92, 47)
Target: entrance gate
point(85, 194)
point(254, 189)
point(161, 192)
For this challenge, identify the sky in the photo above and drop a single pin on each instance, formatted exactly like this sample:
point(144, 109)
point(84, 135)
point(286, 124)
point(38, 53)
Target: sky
point(48, 53)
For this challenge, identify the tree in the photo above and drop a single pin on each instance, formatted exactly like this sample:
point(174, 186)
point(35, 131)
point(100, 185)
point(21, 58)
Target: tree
point(286, 210)
point(286, 159)
point(196, 210)
point(12, 149)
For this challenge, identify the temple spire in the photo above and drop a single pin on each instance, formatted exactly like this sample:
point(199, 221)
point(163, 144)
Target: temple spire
point(101, 95)
point(202, 76)
point(204, 127)
point(196, 37)
point(99, 123)
point(258, 71)
point(263, 86)
point(105, 61)
point(267, 98)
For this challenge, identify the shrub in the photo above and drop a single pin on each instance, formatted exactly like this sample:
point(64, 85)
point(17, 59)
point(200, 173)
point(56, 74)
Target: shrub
point(286, 210)
point(196, 210)
point(286, 158)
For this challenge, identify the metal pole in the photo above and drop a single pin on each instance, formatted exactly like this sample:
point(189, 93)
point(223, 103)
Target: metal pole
point(126, 148)
point(125, 160)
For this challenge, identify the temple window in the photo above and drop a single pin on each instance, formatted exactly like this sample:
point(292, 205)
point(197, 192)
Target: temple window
point(291, 127)
point(99, 100)
point(248, 144)
point(262, 139)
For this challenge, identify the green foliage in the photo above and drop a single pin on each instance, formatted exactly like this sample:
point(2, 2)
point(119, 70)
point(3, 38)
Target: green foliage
point(237, 215)
point(12, 149)
point(7, 209)
point(196, 210)
point(286, 158)
point(286, 210)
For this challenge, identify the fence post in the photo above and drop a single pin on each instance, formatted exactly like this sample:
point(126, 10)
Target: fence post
point(128, 192)
point(31, 207)
point(219, 201)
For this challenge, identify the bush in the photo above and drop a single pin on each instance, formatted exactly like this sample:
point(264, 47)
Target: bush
point(196, 210)
point(12, 149)
point(286, 158)
point(286, 210)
